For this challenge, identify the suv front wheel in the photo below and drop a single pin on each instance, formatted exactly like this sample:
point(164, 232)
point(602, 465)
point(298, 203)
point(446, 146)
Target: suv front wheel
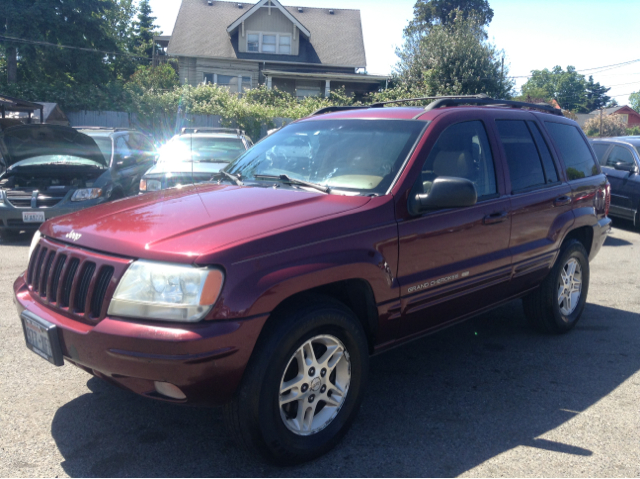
point(557, 304)
point(304, 383)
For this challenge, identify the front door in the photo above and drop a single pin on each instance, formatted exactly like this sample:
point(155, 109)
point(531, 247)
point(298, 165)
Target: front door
point(623, 186)
point(454, 261)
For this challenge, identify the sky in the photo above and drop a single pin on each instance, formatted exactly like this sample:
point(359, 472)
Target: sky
point(534, 34)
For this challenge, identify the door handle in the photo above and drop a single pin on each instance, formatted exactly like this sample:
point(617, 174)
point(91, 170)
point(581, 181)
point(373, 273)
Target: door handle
point(494, 218)
point(562, 201)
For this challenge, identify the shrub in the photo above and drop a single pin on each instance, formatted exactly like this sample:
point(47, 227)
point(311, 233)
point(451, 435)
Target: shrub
point(612, 125)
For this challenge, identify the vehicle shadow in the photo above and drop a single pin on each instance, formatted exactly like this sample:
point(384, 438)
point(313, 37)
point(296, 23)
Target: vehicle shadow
point(436, 407)
point(21, 239)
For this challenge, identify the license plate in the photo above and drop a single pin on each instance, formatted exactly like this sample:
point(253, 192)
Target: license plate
point(42, 338)
point(33, 216)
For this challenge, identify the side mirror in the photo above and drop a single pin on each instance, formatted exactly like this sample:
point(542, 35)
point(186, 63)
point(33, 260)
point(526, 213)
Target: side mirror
point(122, 161)
point(630, 167)
point(445, 192)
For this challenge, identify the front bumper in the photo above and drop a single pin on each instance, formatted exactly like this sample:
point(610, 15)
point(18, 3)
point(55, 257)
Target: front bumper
point(11, 216)
point(205, 360)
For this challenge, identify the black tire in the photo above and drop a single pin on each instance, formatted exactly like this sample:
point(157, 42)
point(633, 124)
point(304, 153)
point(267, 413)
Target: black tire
point(542, 307)
point(254, 416)
point(8, 235)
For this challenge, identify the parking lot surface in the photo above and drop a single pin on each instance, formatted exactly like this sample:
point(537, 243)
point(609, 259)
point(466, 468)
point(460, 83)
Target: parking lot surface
point(489, 397)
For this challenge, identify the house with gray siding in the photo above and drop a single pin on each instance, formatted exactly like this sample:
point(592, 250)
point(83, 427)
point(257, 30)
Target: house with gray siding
point(303, 51)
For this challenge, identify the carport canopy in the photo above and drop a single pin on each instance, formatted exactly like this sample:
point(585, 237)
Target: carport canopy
point(10, 104)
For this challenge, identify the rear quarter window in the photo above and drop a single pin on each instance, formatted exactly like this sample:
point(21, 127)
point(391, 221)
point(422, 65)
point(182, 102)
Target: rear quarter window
point(574, 150)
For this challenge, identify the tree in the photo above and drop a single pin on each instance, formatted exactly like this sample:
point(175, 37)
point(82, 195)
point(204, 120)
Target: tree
point(612, 125)
point(569, 88)
point(144, 30)
point(454, 58)
point(427, 13)
point(596, 95)
point(634, 101)
point(77, 23)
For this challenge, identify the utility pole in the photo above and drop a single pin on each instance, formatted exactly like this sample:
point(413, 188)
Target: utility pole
point(600, 134)
point(12, 58)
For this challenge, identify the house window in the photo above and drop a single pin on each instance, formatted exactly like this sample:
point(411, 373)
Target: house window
point(308, 88)
point(624, 119)
point(284, 45)
point(273, 43)
point(253, 42)
point(268, 43)
point(229, 81)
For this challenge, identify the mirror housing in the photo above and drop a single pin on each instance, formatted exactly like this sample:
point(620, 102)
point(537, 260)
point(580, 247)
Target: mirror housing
point(446, 192)
point(631, 168)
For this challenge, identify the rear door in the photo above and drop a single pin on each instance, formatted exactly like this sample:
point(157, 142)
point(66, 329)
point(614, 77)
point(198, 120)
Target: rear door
point(623, 186)
point(540, 200)
point(455, 261)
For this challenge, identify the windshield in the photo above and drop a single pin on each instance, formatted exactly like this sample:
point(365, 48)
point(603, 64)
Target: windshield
point(209, 149)
point(359, 156)
point(105, 146)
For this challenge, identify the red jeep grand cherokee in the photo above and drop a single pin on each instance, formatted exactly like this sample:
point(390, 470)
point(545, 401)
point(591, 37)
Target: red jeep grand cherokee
point(341, 235)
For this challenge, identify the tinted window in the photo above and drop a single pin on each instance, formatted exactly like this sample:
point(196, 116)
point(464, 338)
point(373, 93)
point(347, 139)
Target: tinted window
point(600, 149)
point(543, 149)
point(620, 154)
point(525, 166)
point(462, 151)
point(574, 150)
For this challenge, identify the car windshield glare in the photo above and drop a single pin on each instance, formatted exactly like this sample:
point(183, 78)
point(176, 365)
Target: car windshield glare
point(188, 148)
point(356, 156)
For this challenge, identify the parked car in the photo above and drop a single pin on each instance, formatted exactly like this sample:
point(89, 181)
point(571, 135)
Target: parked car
point(194, 156)
point(48, 171)
point(127, 151)
point(620, 160)
point(267, 290)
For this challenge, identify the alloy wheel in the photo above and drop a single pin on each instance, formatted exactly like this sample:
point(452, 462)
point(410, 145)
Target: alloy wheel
point(569, 286)
point(314, 385)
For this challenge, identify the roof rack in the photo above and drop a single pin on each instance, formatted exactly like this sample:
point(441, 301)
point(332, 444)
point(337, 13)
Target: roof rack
point(210, 129)
point(446, 101)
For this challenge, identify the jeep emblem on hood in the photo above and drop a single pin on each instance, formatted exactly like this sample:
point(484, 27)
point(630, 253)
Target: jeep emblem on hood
point(73, 236)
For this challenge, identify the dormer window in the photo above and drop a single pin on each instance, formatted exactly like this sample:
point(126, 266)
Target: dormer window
point(273, 43)
point(253, 42)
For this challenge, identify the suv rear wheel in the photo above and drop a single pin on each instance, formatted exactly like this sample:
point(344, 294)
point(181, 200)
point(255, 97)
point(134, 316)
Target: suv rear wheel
point(303, 386)
point(557, 304)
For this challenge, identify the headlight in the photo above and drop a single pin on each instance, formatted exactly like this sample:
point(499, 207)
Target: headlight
point(85, 194)
point(154, 185)
point(166, 292)
point(34, 243)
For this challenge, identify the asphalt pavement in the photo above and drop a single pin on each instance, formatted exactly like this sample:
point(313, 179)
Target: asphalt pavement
point(489, 397)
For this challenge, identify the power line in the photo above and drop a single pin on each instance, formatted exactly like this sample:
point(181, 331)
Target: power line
point(84, 49)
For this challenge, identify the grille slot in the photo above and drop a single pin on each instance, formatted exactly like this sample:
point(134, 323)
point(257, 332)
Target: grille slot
point(45, 274)
point(32, 264)
point(68, 282)
point(53, 294)
point(100, 291)
point(36, 279)
point(83, 287)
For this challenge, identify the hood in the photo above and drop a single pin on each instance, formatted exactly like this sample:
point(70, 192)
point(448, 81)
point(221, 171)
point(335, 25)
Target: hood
point(185, 167)
point(23, 142)
point(182, 224)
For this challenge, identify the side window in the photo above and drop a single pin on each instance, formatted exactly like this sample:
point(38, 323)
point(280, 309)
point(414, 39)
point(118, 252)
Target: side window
point(525, 166)
point(600, 149)
point(620, 154)
point(462, 151)
point(122, 147)
point(543, 149)
point(574, 150)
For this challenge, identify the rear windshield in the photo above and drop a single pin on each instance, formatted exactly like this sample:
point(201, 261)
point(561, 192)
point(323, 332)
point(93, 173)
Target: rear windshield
point(202, 149)
point(358, 156)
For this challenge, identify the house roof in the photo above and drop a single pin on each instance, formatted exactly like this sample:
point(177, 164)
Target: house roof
point(201, 31)
point(611, 111)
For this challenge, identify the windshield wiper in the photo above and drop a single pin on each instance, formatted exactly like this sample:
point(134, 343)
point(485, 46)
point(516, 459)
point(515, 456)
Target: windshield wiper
point(293, 181)
point(235, 178)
